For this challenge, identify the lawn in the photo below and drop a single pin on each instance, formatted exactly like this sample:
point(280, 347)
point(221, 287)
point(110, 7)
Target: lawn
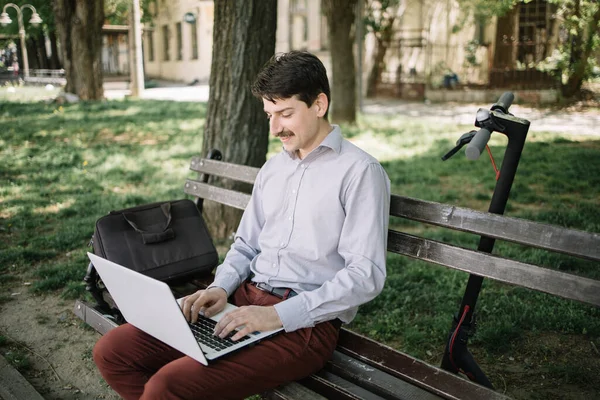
point(64, 166)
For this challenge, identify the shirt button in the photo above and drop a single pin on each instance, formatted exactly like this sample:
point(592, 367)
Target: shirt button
point(282, 243)
point(293, 190)
point(274, 265)
point(290, 218)
point(302, 165)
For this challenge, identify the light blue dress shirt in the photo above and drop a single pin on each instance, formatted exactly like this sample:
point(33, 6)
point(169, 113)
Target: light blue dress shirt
point(317, 225)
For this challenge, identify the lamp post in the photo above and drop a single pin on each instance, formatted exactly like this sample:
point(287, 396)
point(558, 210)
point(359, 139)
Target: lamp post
point(35, 20)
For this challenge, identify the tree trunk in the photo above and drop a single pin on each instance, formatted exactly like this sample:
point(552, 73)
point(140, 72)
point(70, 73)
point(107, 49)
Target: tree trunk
point(40, 51)
point(381, 45)
point(340, 16)
point(54, 59)
point(79, 25)
point(32, 54)
point(580, 55)
point(507, 39)
point(375, 73)
point(243, 41)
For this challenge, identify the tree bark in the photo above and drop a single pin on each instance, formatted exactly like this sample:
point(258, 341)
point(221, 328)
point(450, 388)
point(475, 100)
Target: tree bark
point(580, 54)
point(243, 41)
point(32, 54)
point(54, 59)
point(381, 46)
point(507, 39)
point(38, 44)
point(340, 16)
point(79, 25)
point(383, 30)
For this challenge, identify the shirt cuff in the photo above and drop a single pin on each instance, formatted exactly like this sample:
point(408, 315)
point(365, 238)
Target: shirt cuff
point(227, 282)
point(293, 313)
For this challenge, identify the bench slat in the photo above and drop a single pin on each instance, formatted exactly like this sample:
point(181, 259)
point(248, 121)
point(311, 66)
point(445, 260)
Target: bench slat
point(484, 264)
point(544, 236)
point(208, 192)
point(236, 172)
point(374, 380)
point(412, 370)
point(567, 241)
point(349, 387)
point(334, 387)
point(293, 391)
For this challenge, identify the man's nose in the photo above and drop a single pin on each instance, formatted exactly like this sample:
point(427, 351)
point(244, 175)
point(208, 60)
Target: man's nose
point(274, 125)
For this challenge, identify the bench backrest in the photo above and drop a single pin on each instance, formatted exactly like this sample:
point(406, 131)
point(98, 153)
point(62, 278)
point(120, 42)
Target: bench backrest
point(572, 242)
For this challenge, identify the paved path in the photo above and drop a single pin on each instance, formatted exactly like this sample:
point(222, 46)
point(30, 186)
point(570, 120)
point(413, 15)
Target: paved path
point(586, 123)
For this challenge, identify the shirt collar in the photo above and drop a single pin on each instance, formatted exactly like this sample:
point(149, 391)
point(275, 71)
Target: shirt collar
point(333, 140)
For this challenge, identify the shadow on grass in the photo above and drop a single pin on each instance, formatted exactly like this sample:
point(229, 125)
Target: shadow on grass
point(89, 119)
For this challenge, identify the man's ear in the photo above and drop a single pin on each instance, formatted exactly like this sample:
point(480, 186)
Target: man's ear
point(322, 104)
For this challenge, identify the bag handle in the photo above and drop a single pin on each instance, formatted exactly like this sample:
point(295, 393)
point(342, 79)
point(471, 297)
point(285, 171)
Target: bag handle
point(150, 237)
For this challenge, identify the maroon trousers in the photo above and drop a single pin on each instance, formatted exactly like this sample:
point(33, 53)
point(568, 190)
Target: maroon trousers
point(138, 366)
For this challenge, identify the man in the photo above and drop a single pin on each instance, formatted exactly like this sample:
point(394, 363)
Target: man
point(315, 230)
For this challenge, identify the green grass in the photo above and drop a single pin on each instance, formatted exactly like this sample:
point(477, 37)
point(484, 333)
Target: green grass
point(62, 167)
point(18, 359)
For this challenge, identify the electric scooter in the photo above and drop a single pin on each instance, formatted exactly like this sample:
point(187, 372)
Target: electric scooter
point(457, 357)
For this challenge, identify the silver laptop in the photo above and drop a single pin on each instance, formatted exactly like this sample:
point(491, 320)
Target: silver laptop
point(149, 305)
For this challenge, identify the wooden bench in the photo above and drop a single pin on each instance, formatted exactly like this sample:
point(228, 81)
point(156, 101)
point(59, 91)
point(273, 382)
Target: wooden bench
point(364, 369)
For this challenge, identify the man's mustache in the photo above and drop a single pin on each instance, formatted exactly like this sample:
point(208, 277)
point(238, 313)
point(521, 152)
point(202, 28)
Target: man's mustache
point(284, 134)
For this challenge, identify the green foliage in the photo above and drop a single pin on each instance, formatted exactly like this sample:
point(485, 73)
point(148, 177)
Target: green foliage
point(484, 10)
point(581, 37)
point(117, 11)
point(380, 15)
point(470, 53)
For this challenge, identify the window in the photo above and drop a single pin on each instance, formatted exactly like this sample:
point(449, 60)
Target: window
point(194, 41)
point(179, 44)
point(166, 38)
point(298, 25)
point(535, 27)
point(150, 46)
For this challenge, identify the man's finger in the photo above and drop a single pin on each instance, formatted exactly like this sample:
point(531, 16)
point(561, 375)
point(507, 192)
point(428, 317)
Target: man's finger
point(235, 323)
point(190, 307)
point(241, 333)
point(186, 306)
point(194, 312)
point(212, 309)
point(223, 328)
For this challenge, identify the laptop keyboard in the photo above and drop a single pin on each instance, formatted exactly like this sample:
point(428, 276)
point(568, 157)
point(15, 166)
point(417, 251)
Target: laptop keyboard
point(203, 332)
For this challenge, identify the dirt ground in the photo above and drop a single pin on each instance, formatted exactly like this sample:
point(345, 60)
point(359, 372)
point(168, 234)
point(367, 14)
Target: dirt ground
point(56, 343)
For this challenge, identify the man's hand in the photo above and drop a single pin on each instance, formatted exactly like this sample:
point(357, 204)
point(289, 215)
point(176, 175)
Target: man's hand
point(249, 319)
point(206, 302)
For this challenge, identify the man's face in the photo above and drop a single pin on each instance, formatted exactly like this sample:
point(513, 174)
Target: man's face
point(294, 123)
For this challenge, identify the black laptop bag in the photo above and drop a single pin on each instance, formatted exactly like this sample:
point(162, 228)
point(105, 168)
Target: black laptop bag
point(167, 241)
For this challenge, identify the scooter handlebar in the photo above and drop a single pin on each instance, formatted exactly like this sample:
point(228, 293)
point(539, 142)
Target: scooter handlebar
point(478, 143)
point(504, 102)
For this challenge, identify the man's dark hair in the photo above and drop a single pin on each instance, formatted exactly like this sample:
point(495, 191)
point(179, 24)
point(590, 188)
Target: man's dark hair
point(295, 73)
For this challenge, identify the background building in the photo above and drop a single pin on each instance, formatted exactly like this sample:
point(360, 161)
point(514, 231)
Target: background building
point(178, 42)
point(433, 44)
